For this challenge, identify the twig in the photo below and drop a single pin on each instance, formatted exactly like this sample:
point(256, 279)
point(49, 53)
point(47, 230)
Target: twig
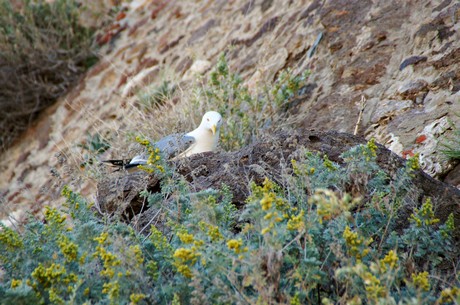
point(150, 221)
point(360, 116)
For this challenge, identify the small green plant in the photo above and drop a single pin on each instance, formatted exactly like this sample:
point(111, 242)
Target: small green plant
point(450, 146)
point(94, 146)
point(153, 97)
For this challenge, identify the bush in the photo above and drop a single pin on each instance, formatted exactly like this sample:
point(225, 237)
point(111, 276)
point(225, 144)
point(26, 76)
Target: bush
point(306, 241)
point(43, 51)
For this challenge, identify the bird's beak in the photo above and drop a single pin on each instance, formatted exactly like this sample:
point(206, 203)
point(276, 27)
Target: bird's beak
point(213, 129)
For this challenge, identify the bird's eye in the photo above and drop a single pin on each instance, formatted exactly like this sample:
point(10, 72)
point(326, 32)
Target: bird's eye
point(207, 119)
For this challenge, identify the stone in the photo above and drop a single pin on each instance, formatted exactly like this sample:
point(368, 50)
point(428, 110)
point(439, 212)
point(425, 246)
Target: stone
point(199, 67)
point(389, 108)
point(414, 89)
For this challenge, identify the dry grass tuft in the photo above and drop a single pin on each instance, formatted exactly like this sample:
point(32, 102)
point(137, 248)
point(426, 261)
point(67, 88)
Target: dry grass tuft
point(43, 51)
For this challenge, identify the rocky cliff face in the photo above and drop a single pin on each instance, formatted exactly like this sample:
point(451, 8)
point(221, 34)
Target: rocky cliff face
point(391, 69)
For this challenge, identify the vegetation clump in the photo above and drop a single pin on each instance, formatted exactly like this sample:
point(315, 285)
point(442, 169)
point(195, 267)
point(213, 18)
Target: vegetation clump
point(43, 51)
point(248, 114)
point(298, 242)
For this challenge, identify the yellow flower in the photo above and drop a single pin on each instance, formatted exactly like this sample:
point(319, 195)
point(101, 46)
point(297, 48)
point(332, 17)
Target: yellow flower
point(266, 202)
point(421, 280)
point(372, 147)
point(390, 260)
point(374, 288)
point(184, 270)
point(68, 249)
point(295, 168)
point(142, 141)
point(295, 300)
point(159, 240)
point(198, 243)
point(265, 230)
point(102, 238)
point(185, 254)
point(54, 274)
point(355, 243)
point(449, 226)
point(10, 239)
point(328, 163)
point(235, 245)
point(352, 239)
point(425, 215)
point(413, 163)
point(296, 222)
point(136, 298)
point(214, 233)
point(112, 289)
point(137, 254)
point(15, 283)
point(53, 216)
point(449, 295)
point(185, 238)
point(183, 259)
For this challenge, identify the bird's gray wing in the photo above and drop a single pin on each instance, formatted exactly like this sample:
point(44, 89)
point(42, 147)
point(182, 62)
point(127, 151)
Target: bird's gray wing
point(169, 147)
point(174, 144)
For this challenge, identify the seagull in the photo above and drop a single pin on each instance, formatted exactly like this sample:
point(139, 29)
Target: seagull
point(175, 146)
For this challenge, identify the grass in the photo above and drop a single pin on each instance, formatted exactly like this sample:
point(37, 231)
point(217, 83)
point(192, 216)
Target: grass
point(43, 51)
point(450, 146)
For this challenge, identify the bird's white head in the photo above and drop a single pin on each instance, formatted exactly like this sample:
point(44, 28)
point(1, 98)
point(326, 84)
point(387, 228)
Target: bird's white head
point(212, 121)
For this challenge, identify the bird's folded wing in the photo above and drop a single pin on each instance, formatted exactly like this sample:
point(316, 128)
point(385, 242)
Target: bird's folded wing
point(169, 146)
point(175, 144)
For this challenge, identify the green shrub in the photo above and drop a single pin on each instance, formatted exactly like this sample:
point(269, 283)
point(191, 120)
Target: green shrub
point(71, 258)
point(303, 242)
point(156, 96)
point(43, 51)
